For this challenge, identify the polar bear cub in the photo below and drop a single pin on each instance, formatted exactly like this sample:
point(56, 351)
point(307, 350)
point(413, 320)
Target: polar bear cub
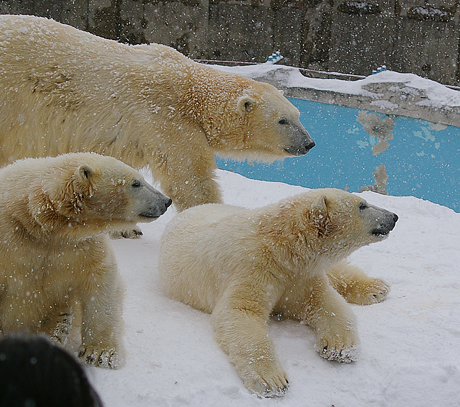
point(54, 250)
point(241, 265)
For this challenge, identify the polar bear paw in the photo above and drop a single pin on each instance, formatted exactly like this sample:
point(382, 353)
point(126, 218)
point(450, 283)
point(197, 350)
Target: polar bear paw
point(376, 291)
point(107, 358)
point(357, 287)
point(274, 384)
point(134, 233)
point(63, 328)
point(339, 350)
point(368, 292)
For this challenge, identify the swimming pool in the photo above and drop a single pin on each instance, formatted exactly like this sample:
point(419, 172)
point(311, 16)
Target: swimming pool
point(365, 150)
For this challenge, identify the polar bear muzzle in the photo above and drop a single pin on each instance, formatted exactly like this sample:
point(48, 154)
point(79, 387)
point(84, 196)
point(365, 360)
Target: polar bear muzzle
point(301, 141)
point(386, 226)
point(381, 221)
point(150, 203)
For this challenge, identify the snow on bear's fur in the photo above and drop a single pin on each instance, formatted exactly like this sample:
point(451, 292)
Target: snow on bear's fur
point(55, 255)
point(241, 265)
point(65, 90)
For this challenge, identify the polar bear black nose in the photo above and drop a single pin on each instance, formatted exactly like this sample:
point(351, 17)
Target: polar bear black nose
point(161, 207)
point(392, 222)
point(300, 149)
point(165, 204)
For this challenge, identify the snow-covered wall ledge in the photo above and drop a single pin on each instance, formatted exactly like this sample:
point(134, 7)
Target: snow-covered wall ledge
point(385, 92)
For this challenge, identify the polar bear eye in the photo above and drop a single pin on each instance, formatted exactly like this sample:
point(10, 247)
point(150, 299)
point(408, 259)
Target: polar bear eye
point(362, 206)
point(136, 183)
point(282, 121)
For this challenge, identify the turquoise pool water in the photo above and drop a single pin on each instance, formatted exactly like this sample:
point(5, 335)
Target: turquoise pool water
point(358, 148)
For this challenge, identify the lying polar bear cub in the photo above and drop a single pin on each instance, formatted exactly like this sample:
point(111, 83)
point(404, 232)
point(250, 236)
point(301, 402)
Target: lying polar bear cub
point(54, 251)
point(243, 264)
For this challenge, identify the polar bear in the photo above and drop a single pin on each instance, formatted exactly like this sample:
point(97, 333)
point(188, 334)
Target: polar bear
point(65, 90)
point(241, 265)
point(55, 255)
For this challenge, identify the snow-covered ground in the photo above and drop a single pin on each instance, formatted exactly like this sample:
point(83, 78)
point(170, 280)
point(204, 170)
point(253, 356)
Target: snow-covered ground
point(409, 343)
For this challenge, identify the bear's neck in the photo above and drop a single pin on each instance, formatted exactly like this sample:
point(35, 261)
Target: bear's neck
point(295, 240)
point(212, 97)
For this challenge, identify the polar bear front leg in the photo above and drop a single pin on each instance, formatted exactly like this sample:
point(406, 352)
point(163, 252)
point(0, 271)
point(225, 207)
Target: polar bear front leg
point(356, 286)
point(102, 324)
point(187, 173)
point(240, 323)
point(332, 318)
point(58, 324)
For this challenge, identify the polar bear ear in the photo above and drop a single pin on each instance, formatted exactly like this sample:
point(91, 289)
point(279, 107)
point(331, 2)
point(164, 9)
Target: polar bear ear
point(246, 104)
point(319, 208)
point(84, 177)
point(321, 203)
point(85, 172)
point(321, 218)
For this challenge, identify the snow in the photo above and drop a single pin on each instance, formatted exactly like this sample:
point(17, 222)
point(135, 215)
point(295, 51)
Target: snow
point(437, 95)
point(409, 342)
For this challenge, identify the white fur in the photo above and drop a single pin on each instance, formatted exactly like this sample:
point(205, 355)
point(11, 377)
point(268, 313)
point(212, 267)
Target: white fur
point(241, 265)
point(65, 90)
point(55, 257)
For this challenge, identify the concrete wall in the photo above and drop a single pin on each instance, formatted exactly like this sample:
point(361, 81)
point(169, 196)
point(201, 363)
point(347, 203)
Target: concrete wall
point(353, 37)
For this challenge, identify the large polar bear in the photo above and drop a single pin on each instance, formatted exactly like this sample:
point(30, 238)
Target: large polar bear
point(64, 90)
point(54, 250)
point(241, 265)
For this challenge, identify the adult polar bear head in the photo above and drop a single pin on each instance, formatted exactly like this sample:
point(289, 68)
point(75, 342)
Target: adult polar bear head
point(241, 265)
point(80, 194)
point(256, 121)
